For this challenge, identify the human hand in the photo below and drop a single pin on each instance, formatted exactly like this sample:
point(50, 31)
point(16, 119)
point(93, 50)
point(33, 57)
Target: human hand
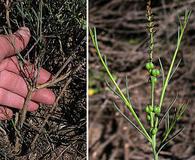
point(13, 88)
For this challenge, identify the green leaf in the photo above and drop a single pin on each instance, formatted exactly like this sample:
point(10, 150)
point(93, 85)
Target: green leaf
point(125, 117)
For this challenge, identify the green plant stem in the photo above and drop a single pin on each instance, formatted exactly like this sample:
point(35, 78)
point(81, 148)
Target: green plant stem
point(180, 36)
point(152, 103)
point(152, 120)
point(127, 103)
point(154, 150)
point(168, 131)
point(155, 154)
point(169, 73)
point(152, 93)
point(165, 83)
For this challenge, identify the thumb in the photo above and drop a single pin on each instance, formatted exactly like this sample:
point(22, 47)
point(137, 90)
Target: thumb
point(14, 43)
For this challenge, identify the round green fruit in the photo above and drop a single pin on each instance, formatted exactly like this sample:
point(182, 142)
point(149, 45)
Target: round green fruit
point(151, 109)
point(155, 72)
point(147, 109)
point(149, 66)
point(148, 117)
point(154, 131)
point(154, 79)
point(157, 110)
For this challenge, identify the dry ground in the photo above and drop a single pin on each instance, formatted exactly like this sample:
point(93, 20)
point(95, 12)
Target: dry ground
point(63, 34)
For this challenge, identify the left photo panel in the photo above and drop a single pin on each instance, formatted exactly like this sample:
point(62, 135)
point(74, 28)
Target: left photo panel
point(43, 79)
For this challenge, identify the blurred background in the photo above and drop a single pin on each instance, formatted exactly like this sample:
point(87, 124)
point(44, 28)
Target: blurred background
point(123, 38)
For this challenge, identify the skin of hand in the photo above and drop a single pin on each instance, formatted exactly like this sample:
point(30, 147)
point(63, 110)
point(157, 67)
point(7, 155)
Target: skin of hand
point(13, 88)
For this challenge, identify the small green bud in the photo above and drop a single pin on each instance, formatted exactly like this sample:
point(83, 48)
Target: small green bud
point(151, 109)
point(155, 72)
point(154, 131)
point(148, 117)
point(147, 109)
point(154, 79)
point(149, 66)
point(157, 110)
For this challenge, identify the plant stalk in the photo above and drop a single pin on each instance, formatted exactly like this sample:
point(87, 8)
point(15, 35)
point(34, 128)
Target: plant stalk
point(155, 154)
point(127, 103)
point(180, 37)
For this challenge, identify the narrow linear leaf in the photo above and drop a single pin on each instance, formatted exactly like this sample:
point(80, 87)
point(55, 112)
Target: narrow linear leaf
point(180, 22)
point(175, 69)
point(127, 90)
point(133, 124)
point(170, 106)
point(178, 34)
point(105, 60)
point(21, 11)
point(177, 117)
point(167, 122)
point(180, 111)
point(170, 139)
point(113, 90)
point(162, 70)
point(35, 13)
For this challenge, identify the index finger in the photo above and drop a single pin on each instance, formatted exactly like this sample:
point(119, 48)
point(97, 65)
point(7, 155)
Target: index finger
point(14, 43)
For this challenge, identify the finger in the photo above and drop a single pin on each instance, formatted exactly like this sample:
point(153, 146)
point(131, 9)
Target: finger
point(16, 84)
point(14, 43)
point(5, 113)
point(45, 96)
point(11, 64)
point(13, 100)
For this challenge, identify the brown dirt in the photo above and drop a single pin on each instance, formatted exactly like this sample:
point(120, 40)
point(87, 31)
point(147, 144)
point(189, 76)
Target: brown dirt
point(64, 135)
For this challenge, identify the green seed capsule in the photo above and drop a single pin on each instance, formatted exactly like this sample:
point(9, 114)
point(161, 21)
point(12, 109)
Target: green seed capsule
point(157, 110)
point(155, 72)
point(151, 109)
point(147, 109)
point(154, 80)
point(148, 117)
point(154, 131)
point(149, 66)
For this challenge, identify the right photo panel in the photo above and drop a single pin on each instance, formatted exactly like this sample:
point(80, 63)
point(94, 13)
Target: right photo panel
point(141, 80)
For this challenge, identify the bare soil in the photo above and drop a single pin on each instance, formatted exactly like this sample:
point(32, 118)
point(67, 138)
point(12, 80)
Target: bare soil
point(64, 37)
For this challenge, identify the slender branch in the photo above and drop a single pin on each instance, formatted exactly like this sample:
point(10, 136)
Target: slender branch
point(53, 108)
point(180, 37)
point(7, 5)
point(127, 103)
point(21, 120)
